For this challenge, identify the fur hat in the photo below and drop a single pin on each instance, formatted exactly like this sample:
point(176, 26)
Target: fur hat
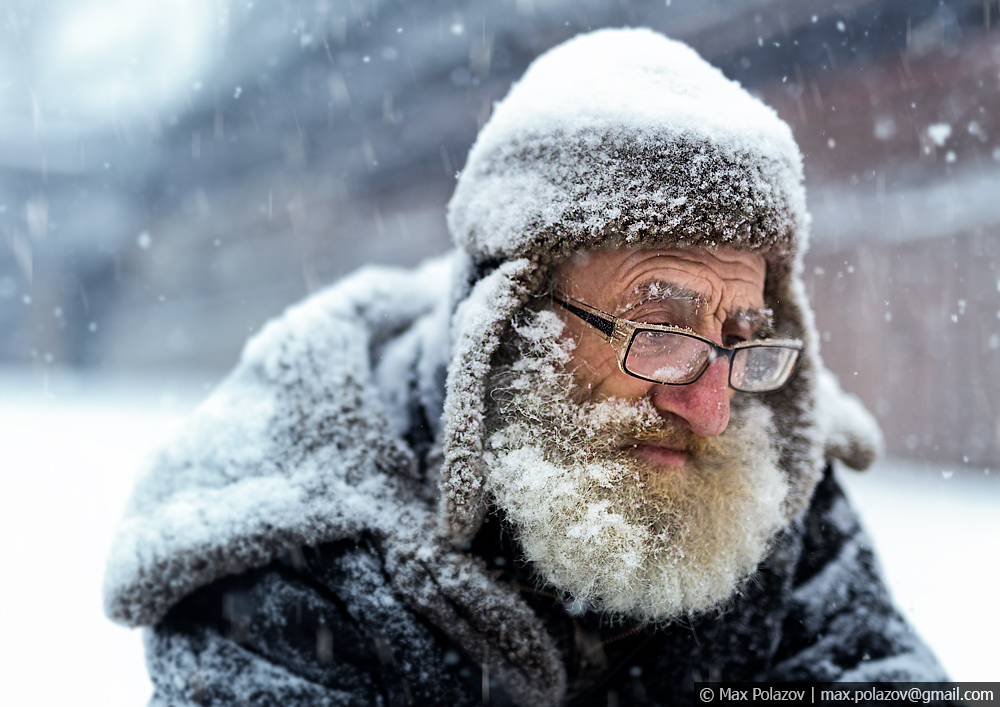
point(624, 138)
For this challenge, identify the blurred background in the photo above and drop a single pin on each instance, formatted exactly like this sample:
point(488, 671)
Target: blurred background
point(175, 173)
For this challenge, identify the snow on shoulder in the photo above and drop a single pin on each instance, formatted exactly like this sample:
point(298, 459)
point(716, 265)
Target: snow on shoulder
point(293, 448)
point(628, 131)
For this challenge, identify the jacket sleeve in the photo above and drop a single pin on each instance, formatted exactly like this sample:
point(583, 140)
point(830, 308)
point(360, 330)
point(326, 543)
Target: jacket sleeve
point(320, 629)
point(842, 624)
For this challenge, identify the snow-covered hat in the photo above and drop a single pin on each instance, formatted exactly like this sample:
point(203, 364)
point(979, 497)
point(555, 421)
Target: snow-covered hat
point(625, 138)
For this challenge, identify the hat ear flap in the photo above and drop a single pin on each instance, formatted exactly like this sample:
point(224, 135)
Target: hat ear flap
point(478, 324)
point(850, 433)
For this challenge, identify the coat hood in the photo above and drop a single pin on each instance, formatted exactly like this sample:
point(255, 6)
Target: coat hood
point(627, 139)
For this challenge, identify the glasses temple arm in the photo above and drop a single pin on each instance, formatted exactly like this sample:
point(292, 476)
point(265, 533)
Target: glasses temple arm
point(605, 326)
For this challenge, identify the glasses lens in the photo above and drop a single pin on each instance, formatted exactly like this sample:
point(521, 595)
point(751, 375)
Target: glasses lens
point(666, 357)
point(760, 369)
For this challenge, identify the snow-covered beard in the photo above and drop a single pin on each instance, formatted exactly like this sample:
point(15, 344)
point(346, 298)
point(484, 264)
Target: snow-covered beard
point(603, 526)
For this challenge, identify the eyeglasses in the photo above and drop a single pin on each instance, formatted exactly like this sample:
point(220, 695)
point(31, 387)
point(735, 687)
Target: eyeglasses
point(660, 353)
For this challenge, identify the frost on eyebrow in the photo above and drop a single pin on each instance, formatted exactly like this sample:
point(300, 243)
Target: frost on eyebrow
point(761, 320)
point(657, 291)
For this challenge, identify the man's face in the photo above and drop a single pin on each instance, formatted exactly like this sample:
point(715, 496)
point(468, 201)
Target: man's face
point(718, 294)
point(577, 450)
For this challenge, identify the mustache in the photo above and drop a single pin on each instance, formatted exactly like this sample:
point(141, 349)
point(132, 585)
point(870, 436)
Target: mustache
point(670, 435)
point(639, 423)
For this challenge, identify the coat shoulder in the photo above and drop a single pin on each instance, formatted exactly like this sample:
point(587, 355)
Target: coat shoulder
point(295, 447)
point(841, 623)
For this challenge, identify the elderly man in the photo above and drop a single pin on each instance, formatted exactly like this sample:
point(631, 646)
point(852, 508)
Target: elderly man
point(584, 459)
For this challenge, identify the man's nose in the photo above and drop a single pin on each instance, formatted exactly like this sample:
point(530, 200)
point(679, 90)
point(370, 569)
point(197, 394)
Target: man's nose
point(703, 405)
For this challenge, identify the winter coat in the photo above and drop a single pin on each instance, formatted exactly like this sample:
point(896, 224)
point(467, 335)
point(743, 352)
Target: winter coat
point(285, 549)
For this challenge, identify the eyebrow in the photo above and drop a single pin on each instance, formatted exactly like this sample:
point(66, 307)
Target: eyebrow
point(657, 290)
point(761, 318)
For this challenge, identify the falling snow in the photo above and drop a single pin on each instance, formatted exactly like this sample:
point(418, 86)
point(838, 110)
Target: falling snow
point(939, 133)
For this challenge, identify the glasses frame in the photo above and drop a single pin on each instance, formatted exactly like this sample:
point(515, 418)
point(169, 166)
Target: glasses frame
point(620, 333)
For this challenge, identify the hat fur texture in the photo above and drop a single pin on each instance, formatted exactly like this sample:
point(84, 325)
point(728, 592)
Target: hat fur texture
point(623, 138)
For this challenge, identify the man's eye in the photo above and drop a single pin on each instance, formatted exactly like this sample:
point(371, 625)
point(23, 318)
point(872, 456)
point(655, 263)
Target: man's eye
point(658, 335)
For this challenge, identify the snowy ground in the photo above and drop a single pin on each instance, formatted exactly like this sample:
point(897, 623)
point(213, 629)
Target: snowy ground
point(70, 448)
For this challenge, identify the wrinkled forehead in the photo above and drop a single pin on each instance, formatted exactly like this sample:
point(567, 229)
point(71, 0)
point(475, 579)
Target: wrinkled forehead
point(623, 276)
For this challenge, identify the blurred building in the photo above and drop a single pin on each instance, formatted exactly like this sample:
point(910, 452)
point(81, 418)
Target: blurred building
point(174, 174)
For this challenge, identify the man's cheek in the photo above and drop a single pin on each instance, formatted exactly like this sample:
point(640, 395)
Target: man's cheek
point(598, 377)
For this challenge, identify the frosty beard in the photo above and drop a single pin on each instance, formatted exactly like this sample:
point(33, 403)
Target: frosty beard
point(601, 525)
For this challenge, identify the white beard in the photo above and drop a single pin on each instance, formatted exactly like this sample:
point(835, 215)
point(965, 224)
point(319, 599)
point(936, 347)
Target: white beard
point(602, 526)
